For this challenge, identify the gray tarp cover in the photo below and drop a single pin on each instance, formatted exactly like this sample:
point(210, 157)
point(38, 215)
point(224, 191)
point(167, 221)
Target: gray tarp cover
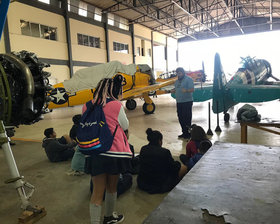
point(88, 78)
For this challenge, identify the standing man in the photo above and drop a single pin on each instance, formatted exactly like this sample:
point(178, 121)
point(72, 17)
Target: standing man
point(184, 88)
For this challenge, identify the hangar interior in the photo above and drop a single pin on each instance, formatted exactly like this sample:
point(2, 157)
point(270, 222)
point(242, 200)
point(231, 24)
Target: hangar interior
point(73, 34)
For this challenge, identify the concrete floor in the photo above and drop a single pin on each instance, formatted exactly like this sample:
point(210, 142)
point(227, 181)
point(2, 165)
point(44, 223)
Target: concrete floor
point(66, 198)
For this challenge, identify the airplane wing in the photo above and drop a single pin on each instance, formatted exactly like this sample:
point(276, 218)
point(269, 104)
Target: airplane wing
point(202, 92)
point(254, 93)
point(135, 92)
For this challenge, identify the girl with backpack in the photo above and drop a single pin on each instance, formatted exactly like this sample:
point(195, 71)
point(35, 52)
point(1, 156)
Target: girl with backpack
point(105, 167)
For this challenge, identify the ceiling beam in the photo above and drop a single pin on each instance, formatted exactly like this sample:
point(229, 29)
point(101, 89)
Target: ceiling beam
point(117, 7)
point(234, 19)
point(192, 16)
point(152, 12)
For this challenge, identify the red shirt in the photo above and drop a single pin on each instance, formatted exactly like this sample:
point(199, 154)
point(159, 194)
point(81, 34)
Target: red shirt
point(191, 149)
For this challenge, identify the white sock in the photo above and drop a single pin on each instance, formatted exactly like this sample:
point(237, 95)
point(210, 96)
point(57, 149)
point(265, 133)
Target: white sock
point(110, 203)
point(95, 213)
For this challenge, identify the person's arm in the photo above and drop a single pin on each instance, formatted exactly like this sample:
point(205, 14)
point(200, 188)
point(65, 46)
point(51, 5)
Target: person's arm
point(174, 165)
point(187, 90)
point(122, 119)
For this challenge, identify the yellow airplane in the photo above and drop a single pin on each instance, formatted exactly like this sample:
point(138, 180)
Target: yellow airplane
point(139, 83)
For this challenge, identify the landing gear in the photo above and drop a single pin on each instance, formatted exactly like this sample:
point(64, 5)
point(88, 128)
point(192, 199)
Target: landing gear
point(131, 104)
point(226, 117)
point(149, 108)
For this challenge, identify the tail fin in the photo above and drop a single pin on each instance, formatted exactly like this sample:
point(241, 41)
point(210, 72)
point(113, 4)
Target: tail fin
point(221, 98)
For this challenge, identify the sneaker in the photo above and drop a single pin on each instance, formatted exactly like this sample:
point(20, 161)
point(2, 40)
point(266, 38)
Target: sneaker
point(181, 136)
point(115, 218)
point(75, 173)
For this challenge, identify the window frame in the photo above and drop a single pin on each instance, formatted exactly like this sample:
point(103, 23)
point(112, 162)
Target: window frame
point(120, 47)
point(95, 42)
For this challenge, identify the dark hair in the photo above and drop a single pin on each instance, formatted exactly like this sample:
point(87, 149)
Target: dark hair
point(107, 87)
point(117, 85)
point(198, 133)
point(76, 118)
point(180, 69)
point(48, 132)
point(153, 136)
point(204, 146)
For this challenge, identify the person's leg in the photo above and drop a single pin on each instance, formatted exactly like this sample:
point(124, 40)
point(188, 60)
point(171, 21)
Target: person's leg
point(96, 199)
point(189, 114)
point(180, 115)
point(184, 119)
point(110, 200)
point(67, 154)
point(111, 194)
point(78, 161)
point(182, 172)
point(124, 183)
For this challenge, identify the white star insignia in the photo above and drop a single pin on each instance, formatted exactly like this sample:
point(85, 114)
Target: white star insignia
point(59, 95)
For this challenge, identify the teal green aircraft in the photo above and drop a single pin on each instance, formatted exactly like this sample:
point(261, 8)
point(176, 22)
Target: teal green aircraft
point(248, 85)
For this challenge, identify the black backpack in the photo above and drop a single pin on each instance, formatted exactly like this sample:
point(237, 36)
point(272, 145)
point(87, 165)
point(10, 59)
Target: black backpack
point(93, 133)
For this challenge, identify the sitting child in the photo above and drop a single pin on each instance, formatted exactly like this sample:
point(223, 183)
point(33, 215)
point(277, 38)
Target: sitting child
point(58, 149)
point(78, 160)
point(73, 131)
point(197, 135)
point(158, 173)
point(202, 149)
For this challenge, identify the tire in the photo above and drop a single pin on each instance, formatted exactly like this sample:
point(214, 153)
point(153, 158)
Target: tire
point(131, 104)
point(226, 117)
point(149, 108)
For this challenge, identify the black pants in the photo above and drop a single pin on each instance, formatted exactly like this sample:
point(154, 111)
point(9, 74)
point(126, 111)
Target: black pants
point(184, 112)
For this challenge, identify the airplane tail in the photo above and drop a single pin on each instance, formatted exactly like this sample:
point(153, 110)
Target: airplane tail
point(221, 99)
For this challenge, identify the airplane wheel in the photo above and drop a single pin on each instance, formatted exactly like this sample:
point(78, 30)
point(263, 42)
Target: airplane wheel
point(149, 108)
point(226, 117)
point(131, 104)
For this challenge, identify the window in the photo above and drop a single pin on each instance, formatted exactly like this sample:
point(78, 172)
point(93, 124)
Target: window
point(45, 1)
point(143, 47)
point(35, 32)
point(138, 51)
point(38, 30)
point(25, 28)
point(80, 39)
point(119, 47)
point(97, 14)
point(83, 9)
point(88, 40)
point(111, 19)
point(124, 24)
point(85, 40)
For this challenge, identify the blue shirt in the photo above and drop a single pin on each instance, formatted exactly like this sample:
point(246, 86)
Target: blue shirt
point(186, 83)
